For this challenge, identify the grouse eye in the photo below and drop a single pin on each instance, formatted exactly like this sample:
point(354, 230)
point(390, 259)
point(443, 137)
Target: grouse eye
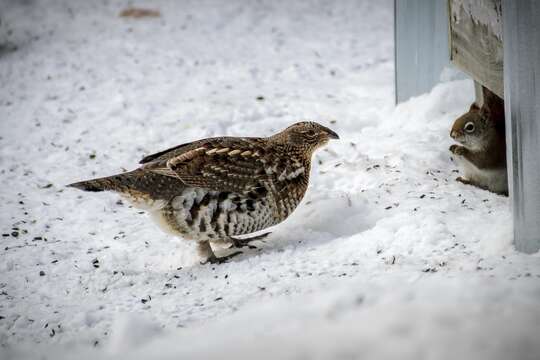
point(310, 133)
point(469, 127)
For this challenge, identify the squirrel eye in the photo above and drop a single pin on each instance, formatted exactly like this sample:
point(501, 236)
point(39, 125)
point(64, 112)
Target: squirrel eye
point(469, 127)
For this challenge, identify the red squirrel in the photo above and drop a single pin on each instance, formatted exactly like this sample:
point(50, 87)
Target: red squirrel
point(482, 153)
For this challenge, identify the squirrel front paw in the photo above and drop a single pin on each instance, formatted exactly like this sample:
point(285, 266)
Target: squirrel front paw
point(457, 150)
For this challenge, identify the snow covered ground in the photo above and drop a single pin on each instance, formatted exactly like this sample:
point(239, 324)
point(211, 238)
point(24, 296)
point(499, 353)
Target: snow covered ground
point(386, 257)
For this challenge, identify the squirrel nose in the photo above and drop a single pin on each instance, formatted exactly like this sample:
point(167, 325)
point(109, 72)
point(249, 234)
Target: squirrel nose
point(453, 134)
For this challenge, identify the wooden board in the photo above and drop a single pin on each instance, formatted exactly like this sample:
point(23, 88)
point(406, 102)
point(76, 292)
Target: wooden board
point(476, 46)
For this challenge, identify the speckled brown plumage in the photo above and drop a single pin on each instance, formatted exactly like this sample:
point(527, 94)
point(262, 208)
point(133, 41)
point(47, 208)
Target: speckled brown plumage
point(213, 190)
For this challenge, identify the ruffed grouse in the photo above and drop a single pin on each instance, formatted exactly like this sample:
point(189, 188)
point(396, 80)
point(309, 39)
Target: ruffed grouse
point(214, 189)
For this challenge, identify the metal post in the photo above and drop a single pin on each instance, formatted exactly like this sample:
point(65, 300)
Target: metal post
point(522, 110)
point(421, 45)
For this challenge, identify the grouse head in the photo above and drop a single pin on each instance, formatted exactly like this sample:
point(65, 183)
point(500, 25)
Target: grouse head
point(306, 135)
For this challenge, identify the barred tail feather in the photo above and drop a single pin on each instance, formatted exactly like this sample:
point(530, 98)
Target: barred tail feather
point(114, 183)
point(137, 184)
point(89, 185)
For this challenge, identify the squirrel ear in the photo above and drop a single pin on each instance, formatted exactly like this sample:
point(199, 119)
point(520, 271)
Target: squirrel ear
point(474, 107)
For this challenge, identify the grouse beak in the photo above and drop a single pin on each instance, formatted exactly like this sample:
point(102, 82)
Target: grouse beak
point(331, 134)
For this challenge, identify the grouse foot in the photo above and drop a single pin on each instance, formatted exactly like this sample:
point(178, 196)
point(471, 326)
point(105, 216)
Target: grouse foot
point(220, 260)
point(239, 243)
point(205, 251)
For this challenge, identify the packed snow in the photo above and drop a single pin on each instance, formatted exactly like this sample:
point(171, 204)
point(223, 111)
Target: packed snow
point(386, 257)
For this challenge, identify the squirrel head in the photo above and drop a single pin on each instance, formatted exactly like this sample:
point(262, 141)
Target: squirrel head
point(475, 129)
